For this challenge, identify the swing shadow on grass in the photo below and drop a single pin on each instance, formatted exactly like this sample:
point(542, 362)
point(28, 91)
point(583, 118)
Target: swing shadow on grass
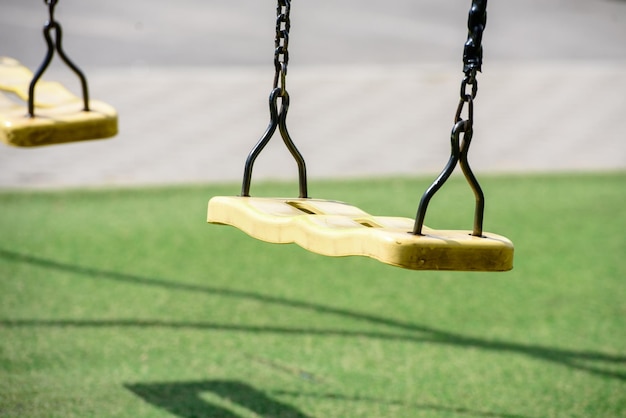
point(184, 400)
point(405, 331)
point(231, 398)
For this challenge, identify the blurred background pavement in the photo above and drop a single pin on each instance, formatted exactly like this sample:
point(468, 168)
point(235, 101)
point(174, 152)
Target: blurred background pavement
point(374, 86)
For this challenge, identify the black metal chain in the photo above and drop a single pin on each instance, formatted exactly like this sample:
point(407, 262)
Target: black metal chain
point(278, 118)
point(473, 51)
point(281, 52)
point(472, 60)
point(57, 45)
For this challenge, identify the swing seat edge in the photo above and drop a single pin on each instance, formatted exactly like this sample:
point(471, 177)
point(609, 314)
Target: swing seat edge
point(338, 229)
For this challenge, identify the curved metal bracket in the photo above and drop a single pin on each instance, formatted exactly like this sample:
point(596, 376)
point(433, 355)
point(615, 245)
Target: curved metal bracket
point(57, 45)
point(479, 210)
point(277, 120)
point(458, 154)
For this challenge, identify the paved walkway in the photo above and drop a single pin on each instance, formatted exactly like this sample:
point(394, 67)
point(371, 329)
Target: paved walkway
point(192, 117)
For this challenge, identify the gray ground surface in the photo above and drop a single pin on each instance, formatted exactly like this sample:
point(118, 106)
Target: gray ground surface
point(373, 84)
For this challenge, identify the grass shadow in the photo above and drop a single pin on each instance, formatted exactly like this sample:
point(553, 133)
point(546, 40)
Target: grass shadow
point(593, 362)
point(185, 400)
point(410, 405)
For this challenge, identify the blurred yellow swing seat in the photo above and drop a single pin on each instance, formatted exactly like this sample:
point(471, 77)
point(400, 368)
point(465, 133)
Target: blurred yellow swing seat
point(59, 115)
point(334, 228)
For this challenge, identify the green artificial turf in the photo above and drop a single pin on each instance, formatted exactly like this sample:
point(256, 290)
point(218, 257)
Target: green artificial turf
point(125, 303)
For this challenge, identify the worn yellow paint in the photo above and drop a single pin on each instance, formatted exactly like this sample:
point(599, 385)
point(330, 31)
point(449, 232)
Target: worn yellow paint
point(338, 229)
point(59, 115)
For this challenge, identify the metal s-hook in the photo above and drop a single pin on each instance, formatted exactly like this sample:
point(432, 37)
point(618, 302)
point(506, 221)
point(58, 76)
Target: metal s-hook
point(57, 45)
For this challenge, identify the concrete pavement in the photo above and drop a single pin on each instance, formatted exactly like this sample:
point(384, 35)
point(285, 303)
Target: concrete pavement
point(373, 89)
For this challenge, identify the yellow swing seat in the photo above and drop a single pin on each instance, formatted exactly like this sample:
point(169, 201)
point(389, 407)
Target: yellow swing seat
point(338, 229)
point(59, 118)
point(334, 228)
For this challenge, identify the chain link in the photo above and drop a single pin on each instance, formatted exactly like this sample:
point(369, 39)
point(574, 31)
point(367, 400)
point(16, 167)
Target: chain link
point(467, 97)
point(281, 52)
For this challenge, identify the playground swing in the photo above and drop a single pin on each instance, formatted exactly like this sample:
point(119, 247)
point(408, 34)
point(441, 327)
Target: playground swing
point(56, 115)
point(338, 229)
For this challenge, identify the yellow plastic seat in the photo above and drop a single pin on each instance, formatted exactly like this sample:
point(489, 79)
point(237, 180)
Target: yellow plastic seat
point(59, 115)
point(334, 228)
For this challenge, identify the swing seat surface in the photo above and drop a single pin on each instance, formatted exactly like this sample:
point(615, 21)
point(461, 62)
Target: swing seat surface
point(334, 228)
point(59, 115)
